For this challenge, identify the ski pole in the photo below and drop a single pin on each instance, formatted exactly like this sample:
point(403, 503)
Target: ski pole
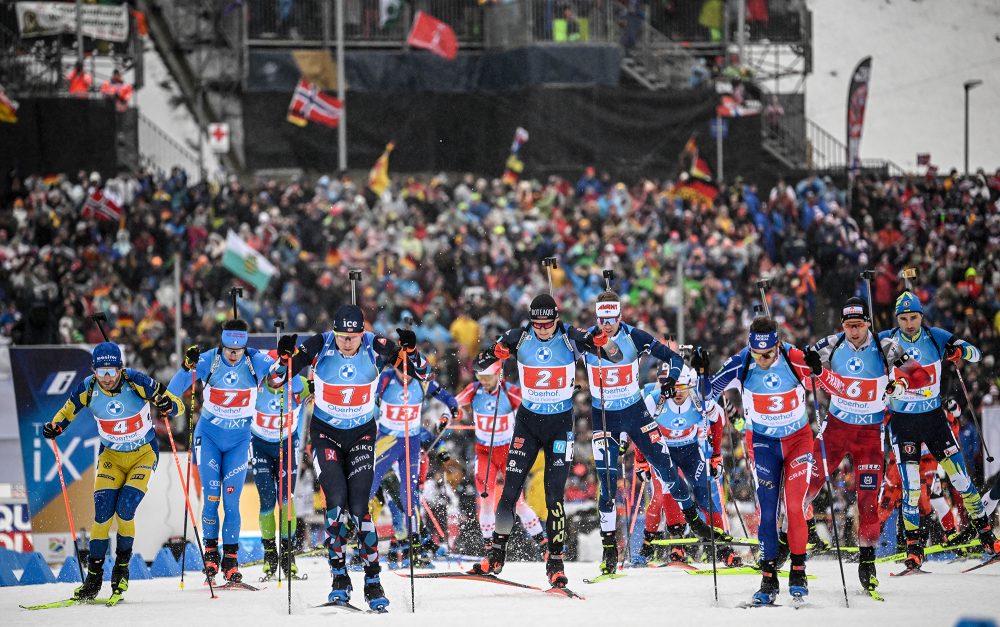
point(187, 478)
point(409, 473)
point(550, 263)
point(829, 487)
point(288, 476)
point(975, 419)
point(708, 487)
point(233, 293)
point(69, 513)
point(278, 326)
point(187, 505)
point(762, 287)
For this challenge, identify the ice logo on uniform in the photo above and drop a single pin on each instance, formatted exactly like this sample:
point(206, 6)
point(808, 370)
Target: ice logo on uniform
point(543, 354)
point(347, 371)
point(115, 408)
point(855, 364)
point(274, 405)
point(231, 377)
point(914, 353)
point(772, 380)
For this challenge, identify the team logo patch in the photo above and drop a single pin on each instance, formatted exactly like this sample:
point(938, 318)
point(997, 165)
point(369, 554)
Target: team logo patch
point(331, 455)
point(855, 364)
point(649, 427)
point(347, 372)
point(678, 422)
point(107, 464)
point(230, 489)
point(139, 476)
point(518, 442)
point(274, 405)
point(909, 448)
point(868, 481)
point(772, 380)
point(951, 450)
point(231, 377)
point(801, 459)
point(543, 354)
point(913, 352)
point(116, 408)
point(559, 446)
point(654, 436)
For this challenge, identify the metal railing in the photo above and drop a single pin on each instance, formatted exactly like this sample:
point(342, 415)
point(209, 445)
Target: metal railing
point(159, 152)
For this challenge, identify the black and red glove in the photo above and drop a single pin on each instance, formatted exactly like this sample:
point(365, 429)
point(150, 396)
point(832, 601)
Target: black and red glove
point(500, 351)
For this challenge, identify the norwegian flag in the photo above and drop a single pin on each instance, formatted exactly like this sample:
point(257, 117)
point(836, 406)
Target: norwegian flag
point(101, 207)
point(310, 105)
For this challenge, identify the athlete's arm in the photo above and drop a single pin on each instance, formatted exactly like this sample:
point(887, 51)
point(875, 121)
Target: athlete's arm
point(645, 342)
point(585, 341)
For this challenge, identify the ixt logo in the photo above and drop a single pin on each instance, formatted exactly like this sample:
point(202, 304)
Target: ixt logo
point(914, 353)
point(347, 371)
point(115, 408)
point(772, 380)
point(855, 365)
point(543, 354)
point(231, 377)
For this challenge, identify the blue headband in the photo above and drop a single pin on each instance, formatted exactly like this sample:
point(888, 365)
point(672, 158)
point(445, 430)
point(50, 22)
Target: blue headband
point(232, 338)
point(761, 341)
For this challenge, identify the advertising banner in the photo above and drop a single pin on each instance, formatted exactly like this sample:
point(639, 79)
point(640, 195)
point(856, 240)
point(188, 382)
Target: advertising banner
point(98, 21)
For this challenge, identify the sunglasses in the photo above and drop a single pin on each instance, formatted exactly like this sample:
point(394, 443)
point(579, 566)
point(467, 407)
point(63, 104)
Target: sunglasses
point(544, 325)
point(604, 321)
point(347, 336)
point(106, 372)
point(234, 349)
point(759, 356)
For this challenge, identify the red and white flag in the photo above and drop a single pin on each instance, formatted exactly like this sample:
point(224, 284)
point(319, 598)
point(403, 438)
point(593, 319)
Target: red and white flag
point(309, 104)
point(102, 207)
point(432, 34)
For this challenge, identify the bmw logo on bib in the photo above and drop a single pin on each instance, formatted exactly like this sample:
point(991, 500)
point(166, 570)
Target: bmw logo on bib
point(274, 405)
point(678, 423)
point(771, 380)
point(347, 371)
point(855, 364)
point(914, 353)
point(115, 408)
point(491, 405)
point(543, 354)
point(231, 377)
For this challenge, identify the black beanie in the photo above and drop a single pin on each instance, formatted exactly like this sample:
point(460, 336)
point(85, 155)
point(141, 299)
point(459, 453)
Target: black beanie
point(543, 307)
point(854, 309)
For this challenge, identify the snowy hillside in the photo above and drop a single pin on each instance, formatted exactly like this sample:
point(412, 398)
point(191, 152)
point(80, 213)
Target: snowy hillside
point(922, 52)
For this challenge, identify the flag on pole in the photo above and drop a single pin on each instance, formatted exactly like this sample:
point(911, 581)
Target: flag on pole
point(378, 177)
point(310, 105)
point(857, 102)
point(246, 263)
point(432, 34)
point(100, 206)
point(8, 108)
point(514, 166)
point(696, 184)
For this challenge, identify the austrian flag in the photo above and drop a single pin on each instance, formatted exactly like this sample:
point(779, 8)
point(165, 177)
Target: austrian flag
point(310, 105)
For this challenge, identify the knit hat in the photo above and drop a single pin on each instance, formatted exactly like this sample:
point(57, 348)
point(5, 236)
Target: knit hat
point(854, 309)
point(107, 355)
point(908, 303)
point(348, 319)
point(543, 307)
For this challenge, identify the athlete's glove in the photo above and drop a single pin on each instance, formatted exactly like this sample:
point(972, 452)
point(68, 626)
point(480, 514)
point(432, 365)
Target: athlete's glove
point(191, 356)
point(642, 471)
point(896, 388)
point(286, 346)
point(623, 447)
point(668, 387)
point(700, 360)
point(955, 354)
point(812, 359)
point(163, 403)
point(500, 351)
point(312, 386)
point(407, 339)
point(716, 462)
point(444, 420)
point(443, 455)
point(952, 407)
point(599, 339)
point(50, 430)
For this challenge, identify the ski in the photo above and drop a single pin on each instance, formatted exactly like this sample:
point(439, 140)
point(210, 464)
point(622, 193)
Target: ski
point(343, 605)
point(601, 578)
point(301, 577)
point(470, 577)
point(733, 542)
point(64, 603)
point(799, 602)
point(875, 595)
point(565, 592)
point(743, 570)
point(993, 560)
point(750, 605)
point(238, 585)
point(910, 571)
point(675, 565)
point(311, 552)
point(931, 550)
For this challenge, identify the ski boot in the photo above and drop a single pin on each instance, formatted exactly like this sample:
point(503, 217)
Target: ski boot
point(989, 541)
point(554, 570)
point(542, 542)
point(964, 536)
point(230, 563)
point(648, 550)
point(340, 587)
point(270, 558)
point(798, 585)
point(357, 564)
point(93, 582)
point(914, 549)
point(783, 550)
point(288, 565)
point(492, 564)
point(768, 584)
point(392, 555)
point(119, 575)
point(819, 545)
point(609, 560)
point(211, 558)
point(729, 557)
point(701, 529)
point(866, 568)
point(678, 554)
point(374, 594)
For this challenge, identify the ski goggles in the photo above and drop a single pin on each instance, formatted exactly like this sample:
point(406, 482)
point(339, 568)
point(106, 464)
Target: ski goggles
point(608, 321)
point(106, 372)
point(348, 335)
point(546, 324)
point(234, 339)
point(763, 356)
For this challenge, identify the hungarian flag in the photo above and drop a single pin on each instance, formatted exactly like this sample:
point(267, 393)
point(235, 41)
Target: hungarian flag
point(310, 105)
point(432, 34)
point(378, 177)
point(246, 263)
point(100, 206)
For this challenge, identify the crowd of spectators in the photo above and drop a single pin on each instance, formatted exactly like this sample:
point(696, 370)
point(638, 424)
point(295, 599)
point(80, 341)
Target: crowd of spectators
point(462, 257)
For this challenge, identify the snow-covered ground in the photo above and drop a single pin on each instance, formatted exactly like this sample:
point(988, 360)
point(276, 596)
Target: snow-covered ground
point(645, 597)
point(922, 53)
